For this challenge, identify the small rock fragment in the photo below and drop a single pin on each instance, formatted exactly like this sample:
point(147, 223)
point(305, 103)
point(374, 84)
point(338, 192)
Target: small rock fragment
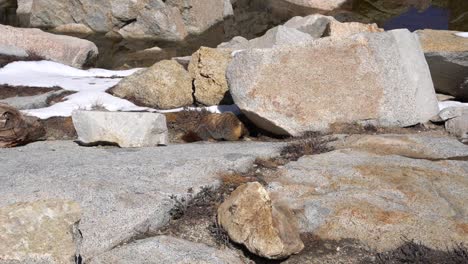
point(250, 218)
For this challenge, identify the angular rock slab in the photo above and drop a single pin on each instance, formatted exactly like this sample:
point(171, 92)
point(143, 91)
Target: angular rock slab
point(314, 25)
point(447, 56)
point(67, 50)
point(208, 70)
point(250, 219)
point(39, 232)
point(278, 36)
point(126, 129)
point(168, 250)
point(381, 78)
point(124, 193)
point(377, 199)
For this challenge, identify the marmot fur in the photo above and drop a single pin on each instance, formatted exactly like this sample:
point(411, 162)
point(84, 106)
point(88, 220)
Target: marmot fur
point(225, 126)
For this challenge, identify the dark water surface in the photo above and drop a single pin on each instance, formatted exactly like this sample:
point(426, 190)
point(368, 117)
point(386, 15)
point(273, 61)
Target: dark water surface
point(433, 18)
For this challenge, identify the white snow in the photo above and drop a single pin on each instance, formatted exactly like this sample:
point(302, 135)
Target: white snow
point(462, 34)
point(446, 104)
point(90, 86)
point(49, 74)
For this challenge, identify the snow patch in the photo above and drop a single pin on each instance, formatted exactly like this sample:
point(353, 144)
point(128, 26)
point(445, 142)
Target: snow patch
point(462, 34)
point(50, 74)
point(90, 86)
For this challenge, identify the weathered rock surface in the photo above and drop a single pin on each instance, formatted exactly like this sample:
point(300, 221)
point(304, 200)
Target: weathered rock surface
point(377, 199)
point(319, 26)
point(458, 127)
point(166, 249)
point(157, 22)
point(277, 36)
point(391, 87)
point(314, 25)
point(39, 232)
point(153, 19)
point(208, 70)
point(305, 7)
point(64, 49)
point(126, 129)
point(300, 29)
point(165, 85)
point(123, 193)
point(74, 29)
point(414, 146)
point(338, 29)
point(450, 112)
point(199, 16)
point(267, 230)
point(447, 56)
point(280, 35)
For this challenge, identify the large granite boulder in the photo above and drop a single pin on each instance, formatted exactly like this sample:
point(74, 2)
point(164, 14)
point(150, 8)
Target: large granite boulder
point(208, 70)
point(200, 16)
point(156, 22)
point(141, 19)
point(165, 85)
point(126, 129)
point(379, 78)
point(44, 231)
point(267, 230)
point(169, 250)
point(447, 56)
point(36, 43)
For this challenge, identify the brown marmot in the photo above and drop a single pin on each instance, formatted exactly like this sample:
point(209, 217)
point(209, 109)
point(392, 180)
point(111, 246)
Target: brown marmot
point(225, 126)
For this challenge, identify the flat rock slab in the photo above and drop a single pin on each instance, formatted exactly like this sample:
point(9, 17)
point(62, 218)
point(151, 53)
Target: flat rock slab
point(377, 199)
point(168, 250)
point(122, 192)
point(411, 146)
point(126, 129)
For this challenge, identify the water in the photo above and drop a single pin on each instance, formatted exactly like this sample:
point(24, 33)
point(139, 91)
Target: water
point(433, 18)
